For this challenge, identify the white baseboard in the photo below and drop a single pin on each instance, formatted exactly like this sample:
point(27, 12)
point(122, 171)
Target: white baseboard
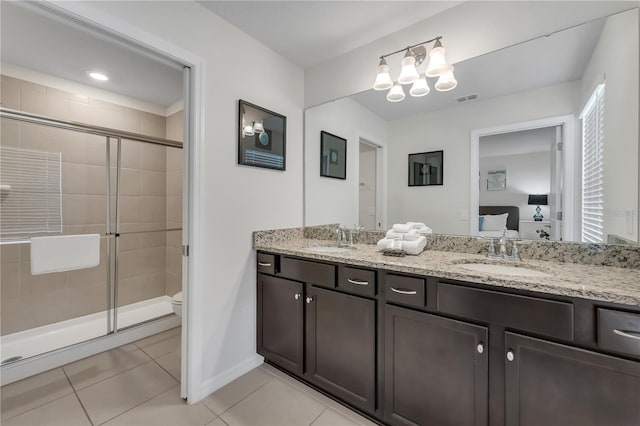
point(213, 384)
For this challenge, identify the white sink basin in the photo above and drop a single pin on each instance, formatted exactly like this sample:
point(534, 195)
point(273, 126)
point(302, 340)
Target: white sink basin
point(328, 249)
point(518, 271)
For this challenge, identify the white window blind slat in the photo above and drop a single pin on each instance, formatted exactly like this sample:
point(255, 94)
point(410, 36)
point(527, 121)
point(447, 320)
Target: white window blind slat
point(593, 168)
point(32, 200)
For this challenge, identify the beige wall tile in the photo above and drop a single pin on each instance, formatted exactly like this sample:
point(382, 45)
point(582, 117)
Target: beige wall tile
point(132, 120)
point(129, 181)
point(152, 260)
point(88, 276)
point(173, 283)
point(153, 157)
point(174, 183)
point(39, 284)
point(153, 209)
point(83, 209)
point(108, 106)
point(174, 209)
point(86, 300)
point(27, 85)
point(153, 183)
point(130, 154)
point(174, 260)
point(34, 311)
point(174, 239)
point(175, 125)
point(130, 209)
point(153, 125)
point(129, 264)
point(9, 253)
point(174, 159)
point(83, 179)
point(10, 280)
point(51, 92)
point(9, 132)
point(128, 242)
point(9, 93)
point(153, 239)
point(40, 103)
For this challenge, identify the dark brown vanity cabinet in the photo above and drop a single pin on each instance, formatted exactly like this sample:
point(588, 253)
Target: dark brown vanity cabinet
point(322, 335)
point(341, 345)
point(281, 322)
point(436, 370)
point(552, 384)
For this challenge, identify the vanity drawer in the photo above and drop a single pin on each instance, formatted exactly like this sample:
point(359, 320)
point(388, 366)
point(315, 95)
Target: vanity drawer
point(316, 273)
point(266, 263)
point(619, 331)
point(540, 316)
point(357, 281)
point(405, 290)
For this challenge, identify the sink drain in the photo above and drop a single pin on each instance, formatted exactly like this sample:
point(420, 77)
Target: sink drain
point(10, 360)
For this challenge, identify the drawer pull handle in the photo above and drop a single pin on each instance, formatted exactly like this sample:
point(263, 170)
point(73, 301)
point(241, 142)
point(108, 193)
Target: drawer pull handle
point(266, 265)
point(627, 333)
point(510, 356)
point(403, 291)
point(297, 296)
point(356, 282)
point(309, 299)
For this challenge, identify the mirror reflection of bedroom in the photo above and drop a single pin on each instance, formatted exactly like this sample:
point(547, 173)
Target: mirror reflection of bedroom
point(520, 177)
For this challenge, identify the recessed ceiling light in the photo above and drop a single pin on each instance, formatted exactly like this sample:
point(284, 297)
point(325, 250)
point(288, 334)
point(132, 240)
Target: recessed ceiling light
point(98, 76)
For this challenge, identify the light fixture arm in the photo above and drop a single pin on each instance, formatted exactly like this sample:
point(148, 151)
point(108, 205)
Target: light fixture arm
point(410, 47)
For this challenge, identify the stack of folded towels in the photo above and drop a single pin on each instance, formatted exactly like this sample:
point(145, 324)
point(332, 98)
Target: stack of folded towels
point(408, 237)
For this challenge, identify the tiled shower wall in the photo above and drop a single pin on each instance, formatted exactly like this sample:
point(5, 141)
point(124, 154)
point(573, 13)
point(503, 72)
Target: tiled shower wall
point(149, 262)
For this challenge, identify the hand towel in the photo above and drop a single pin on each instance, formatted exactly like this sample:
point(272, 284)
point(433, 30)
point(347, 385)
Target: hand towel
point(416, 225)
point(414, 247)
point(64, 253)
point(408, 236)
point(401, 228)
point(424, 230)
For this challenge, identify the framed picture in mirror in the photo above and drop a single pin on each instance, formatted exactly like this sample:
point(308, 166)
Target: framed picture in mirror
point(333, 156)
point(261, 137)
point(425, 168)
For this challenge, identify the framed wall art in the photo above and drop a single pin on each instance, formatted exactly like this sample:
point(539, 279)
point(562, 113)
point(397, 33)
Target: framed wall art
point(333, 156)
point(261, 137)
point(426, 168)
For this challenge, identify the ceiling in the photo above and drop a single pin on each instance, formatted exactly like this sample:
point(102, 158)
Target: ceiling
point(545, 61)
point(311, 32)
point(44, 42)
point(517, 143)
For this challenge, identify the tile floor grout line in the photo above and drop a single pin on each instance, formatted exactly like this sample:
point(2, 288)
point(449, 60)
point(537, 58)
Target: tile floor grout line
point(318, 416)
point(165, 370)
point(37, 406)
point(86, 413)
point(137, 405)
point(107, 378)
point(238, 402)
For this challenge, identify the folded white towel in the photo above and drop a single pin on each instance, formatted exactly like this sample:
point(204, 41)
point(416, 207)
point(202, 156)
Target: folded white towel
point(64, 253)
point(407, 236)
point(401, 228)
point(416, 225)
point(414, 247)
point(424, 230)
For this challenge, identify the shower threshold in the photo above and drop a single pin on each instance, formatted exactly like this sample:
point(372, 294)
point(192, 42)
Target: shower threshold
point(39, 340)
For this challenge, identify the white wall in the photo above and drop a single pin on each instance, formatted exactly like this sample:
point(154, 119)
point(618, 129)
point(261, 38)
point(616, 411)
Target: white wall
point(237, 199)
point(449, 130)
point(526, 174)
point(330, 200)
point(615, 62)
point(491, 25)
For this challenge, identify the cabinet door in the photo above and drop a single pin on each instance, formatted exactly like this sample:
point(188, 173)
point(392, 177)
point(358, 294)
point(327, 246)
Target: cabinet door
point(281, 322)
point(436, 370)
point(341, 346)
point(551, 384)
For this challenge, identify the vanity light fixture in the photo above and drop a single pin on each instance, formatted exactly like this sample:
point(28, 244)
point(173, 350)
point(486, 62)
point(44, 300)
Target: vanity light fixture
point(258, 126)
point(409, 74)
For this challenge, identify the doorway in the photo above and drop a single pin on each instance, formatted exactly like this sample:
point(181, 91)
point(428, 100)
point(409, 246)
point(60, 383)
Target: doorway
point(369, 188)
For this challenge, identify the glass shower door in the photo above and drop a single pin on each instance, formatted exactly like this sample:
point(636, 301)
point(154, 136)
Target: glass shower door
point(54, 182)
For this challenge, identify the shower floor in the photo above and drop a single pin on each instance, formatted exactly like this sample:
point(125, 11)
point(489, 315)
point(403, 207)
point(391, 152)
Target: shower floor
point(39, 340)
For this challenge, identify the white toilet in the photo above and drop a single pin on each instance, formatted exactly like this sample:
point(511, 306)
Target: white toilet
point(176, 303)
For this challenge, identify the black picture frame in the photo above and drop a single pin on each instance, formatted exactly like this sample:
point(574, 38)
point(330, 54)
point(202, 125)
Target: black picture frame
point(333, 156)
point(251, 152)
point(426, 168)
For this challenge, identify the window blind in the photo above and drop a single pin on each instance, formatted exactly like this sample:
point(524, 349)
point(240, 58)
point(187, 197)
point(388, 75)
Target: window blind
point(31, 201)
point(593, 168)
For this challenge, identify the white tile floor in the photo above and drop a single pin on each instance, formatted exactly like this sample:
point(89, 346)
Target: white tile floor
point(138, 384)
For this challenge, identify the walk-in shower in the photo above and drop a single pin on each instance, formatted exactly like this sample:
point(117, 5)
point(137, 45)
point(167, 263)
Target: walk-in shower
point(60, 178)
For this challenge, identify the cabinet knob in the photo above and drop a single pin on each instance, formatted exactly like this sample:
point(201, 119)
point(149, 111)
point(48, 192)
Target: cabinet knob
point(480, 347)
point(309, 299)
point(297, 296)
point(510, 355)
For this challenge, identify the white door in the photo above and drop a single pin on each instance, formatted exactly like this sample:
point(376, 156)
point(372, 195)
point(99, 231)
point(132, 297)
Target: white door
point(367, 186)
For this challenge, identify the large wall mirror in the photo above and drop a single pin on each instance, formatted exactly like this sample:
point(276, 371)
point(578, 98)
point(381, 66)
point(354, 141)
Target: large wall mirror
point(546, 130)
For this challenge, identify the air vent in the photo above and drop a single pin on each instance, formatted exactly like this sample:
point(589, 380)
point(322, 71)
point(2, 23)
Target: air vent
point(466, 98)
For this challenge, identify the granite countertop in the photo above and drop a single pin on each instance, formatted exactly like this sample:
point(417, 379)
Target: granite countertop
point(604, 283)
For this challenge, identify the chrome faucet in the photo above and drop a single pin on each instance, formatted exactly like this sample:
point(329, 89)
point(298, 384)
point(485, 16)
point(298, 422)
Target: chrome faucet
point(345, 236)
point(502, 251)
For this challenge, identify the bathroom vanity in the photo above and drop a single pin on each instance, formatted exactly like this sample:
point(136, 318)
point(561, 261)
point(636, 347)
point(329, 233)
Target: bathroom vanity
point(422, 340)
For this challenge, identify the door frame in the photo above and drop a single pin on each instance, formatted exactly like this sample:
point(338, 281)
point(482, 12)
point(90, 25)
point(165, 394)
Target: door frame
point(570, 181)
point(191, 383)
point(381, 181)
